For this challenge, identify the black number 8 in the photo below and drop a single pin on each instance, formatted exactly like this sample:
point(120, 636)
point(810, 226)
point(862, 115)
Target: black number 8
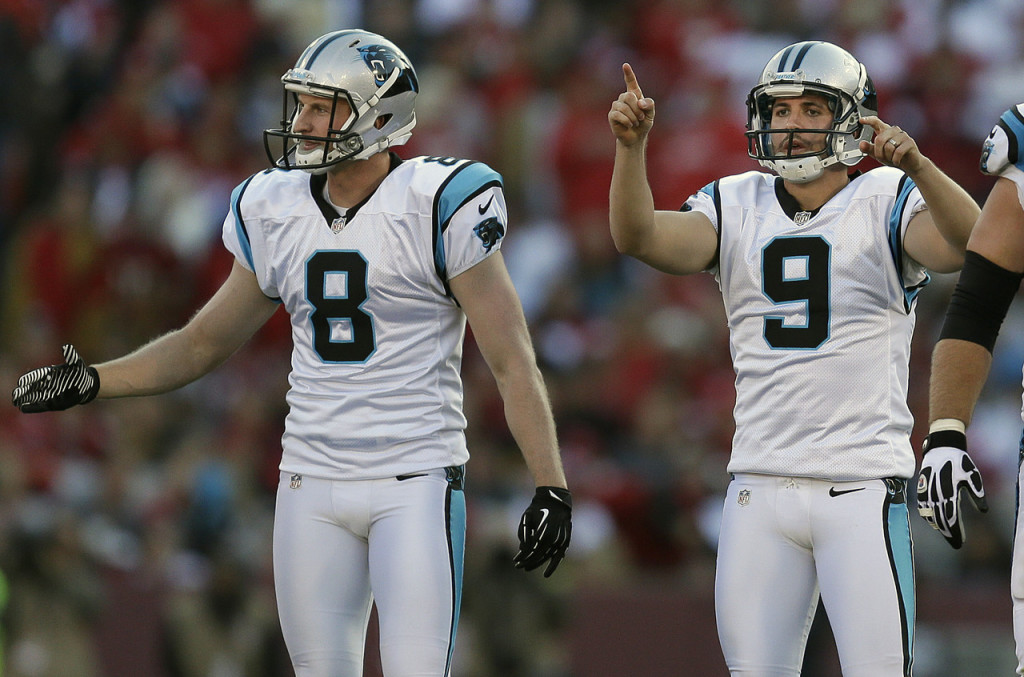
point(352, 266)
point(812, 288)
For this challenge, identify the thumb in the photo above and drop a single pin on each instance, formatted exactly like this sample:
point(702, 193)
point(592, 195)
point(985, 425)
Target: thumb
point(71, 356)
point(979, 500)
point(647, 105)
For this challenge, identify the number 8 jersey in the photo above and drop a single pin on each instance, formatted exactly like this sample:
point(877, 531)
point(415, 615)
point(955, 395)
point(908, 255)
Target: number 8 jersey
point(820, 308)
point(375, 389)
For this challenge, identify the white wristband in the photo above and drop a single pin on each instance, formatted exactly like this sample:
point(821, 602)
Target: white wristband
point(947, 424)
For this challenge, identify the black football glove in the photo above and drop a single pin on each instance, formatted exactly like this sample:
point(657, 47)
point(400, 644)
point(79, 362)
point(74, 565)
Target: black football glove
point(58, 386)
point(545, 530)
point(946, 472)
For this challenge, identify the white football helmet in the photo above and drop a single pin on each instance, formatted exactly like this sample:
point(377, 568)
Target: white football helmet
point(819, 68)
point(367, 71)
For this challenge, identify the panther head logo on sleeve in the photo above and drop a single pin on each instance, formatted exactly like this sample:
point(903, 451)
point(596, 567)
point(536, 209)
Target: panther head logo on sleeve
point(489, 231)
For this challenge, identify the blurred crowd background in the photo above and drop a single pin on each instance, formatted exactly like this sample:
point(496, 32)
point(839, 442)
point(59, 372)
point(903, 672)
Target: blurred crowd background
point(135, 535)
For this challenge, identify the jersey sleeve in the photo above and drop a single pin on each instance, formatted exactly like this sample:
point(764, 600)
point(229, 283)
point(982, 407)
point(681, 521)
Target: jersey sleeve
point(471, 218)
point(1003, 151)
point(908, 204)
point(244, 242)
point(707, 202)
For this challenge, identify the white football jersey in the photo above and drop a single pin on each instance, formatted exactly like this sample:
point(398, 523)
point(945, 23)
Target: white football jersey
point(820, 308)
point(375, 389)
point(1003, 153)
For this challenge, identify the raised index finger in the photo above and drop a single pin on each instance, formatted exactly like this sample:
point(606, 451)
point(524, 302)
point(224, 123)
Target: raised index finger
point(875, 123)
point(631, 84)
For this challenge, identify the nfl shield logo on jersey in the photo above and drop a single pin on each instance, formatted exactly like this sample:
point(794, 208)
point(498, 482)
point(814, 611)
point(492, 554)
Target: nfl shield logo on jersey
point(338, 224)
point(296, 481)
point(744, 497)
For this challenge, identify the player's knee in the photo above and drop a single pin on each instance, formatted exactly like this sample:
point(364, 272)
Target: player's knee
point(328, 667)
point(425, 658)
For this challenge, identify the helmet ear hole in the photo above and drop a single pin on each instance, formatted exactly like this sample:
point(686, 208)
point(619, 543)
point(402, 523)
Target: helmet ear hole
point(382, 120)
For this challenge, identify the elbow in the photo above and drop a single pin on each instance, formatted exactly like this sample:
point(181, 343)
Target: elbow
point(949, 261)
point(517, 373)
point(626, 243)
point(201, 353)
point(947, 268)
point(622, 245)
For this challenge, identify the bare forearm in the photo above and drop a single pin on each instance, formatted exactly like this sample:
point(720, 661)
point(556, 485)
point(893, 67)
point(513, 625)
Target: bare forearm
point(167, 363)
point(220, 327)
point(528, 414)
point(959, 371)
point(953, 210)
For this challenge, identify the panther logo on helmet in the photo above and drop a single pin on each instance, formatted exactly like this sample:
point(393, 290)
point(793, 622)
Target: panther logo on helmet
point(381, 61)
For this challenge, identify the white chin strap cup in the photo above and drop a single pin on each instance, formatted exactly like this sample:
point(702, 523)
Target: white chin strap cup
point(802, 170)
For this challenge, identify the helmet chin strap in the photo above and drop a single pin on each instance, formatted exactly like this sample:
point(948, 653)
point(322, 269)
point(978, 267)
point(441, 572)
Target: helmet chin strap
point(802, 170)
point(352, 146)
point(799, 170)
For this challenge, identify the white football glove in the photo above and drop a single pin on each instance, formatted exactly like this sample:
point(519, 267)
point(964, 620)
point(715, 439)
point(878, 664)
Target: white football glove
point(946, 472)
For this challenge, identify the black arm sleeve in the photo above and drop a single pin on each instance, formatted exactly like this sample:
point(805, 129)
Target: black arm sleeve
point(980, 301)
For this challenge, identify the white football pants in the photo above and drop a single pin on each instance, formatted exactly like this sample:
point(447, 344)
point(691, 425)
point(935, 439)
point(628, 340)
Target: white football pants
point(785, 539)
point(341, 545)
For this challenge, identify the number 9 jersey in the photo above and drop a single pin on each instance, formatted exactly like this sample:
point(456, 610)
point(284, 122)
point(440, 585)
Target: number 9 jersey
point(820, 308)
point(375, 389)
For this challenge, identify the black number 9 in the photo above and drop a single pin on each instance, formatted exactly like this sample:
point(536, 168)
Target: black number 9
point(811, 288)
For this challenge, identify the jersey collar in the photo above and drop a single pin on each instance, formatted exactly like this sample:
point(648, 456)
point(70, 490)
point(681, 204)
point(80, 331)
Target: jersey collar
point(792, 208)
point(334, 218)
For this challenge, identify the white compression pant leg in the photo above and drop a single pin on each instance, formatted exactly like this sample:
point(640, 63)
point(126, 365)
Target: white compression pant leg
point(765, 587)
point(782, 540)
point(339, 545)
point(416, 558)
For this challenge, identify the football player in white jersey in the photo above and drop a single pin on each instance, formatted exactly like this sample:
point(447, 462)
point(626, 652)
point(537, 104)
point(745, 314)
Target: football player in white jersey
point(988, 283)
point(379, 263)
point(819, 270)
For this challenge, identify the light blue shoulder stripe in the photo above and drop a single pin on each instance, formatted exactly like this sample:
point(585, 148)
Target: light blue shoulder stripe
point(236, 210)
point(896, 242)
point(712, 191)
point(1015, 123)
point(462, 185)
point(467, 181)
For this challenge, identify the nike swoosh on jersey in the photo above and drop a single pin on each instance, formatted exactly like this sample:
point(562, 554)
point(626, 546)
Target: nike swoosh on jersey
point(833, 493)
point(483, 208)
